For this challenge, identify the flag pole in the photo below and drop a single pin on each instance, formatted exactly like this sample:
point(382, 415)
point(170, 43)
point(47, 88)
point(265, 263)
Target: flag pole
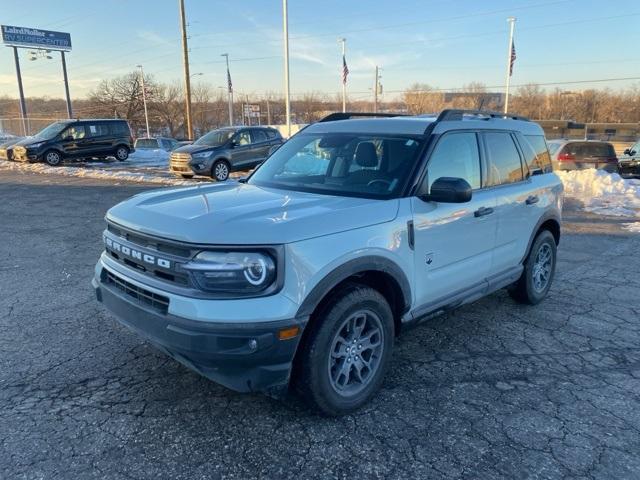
point(287, 92)
point(512, 21)
point(344, 83)
point(229, 90)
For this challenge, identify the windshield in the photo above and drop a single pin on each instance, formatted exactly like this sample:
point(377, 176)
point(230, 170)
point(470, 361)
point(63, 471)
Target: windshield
point(146, 143)
point(215, 138)
point(51, 131)
point(341, 164)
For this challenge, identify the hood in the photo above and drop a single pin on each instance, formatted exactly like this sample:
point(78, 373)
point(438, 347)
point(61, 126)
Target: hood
point(241, 214)
point(25, 142)
point(196, 148)
point(8, 143)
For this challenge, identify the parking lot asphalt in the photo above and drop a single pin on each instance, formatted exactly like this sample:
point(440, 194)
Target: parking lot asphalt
point(492, 390)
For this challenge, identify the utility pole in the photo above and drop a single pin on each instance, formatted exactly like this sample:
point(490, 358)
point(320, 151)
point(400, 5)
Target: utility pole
point(187, 77)
point(23, 107)
point(375, 91)
point(512, 22)
point(229, 90)
point(268, 113)
point(343, 77)
point(287, 93)
point(144, 100)
point(66, 84)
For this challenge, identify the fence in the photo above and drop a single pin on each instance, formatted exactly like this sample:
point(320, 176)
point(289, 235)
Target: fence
point(15, 126)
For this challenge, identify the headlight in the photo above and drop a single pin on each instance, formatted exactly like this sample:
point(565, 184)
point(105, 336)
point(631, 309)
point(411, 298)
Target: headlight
point(232, 272)
point(201, 155)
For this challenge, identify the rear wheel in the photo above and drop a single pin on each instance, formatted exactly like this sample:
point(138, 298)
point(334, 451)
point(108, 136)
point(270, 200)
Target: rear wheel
point(347, 351)
point(53, 158)
point(122, 153)
point(220, 170)
point(539, 269)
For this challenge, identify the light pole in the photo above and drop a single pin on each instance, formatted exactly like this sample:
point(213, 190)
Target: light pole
point(144, 99)
point(287, 93)
point(512, 22)
point(229, 90)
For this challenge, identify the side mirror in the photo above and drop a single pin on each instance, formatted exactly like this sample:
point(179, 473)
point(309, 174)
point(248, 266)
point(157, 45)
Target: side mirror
point(67, 138)
point(449, 190)
point(627, 151)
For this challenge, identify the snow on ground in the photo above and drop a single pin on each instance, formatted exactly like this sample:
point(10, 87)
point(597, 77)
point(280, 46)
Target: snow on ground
point(632, 227)
point(603, 193)
point(138, 170)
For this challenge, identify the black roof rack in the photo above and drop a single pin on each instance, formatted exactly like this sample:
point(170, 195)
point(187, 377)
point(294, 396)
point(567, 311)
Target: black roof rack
point(458, 114)
point(348, 115)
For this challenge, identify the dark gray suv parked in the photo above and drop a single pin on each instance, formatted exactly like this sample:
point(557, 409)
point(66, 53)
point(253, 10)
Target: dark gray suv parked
point(225, 150)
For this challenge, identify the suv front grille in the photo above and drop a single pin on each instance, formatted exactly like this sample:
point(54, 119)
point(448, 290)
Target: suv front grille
point(153, 246)
point(142, 295)
point(179, 162)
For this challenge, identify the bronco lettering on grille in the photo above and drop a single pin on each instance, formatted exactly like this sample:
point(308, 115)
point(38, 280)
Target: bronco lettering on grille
point(136, 254)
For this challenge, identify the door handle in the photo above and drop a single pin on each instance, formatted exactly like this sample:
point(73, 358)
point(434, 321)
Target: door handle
point(482, 211)
point(532, 199)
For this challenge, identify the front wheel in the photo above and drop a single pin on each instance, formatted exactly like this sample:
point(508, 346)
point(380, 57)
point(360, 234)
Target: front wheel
point(347, 351)
point(122, 153)
point(539, 269)
point(53, 158)
point(220, 170)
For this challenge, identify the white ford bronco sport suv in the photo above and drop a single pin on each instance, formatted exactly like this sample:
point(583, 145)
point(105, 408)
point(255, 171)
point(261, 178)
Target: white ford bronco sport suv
point(305, 273)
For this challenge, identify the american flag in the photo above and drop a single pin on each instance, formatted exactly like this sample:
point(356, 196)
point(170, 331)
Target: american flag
point(229, 84)
point(345, 70)
point(512, 59)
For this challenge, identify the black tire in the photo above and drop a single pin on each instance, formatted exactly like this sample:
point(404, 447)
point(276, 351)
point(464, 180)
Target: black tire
point(317, 360)
point(121, 153)
point(186, 175)
point(527, 290)
point(53, 158)
point(220, 170)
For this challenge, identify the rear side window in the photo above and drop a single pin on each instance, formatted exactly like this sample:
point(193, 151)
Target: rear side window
point(258, 136)
point(504, 163)
point(540, 162)
point(271, 134)
point(456, 155)
point(97, 129)
point(120, 128)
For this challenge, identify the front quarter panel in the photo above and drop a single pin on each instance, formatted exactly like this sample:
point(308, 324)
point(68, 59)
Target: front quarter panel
point(309, 262)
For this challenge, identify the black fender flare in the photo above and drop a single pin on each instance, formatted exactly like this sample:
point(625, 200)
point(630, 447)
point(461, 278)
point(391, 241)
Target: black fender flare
point(353, 267)
point(553, 215)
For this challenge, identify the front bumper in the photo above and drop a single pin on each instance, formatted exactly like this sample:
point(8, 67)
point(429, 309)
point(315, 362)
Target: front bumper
point(629, 168)
point(26, 155)
point(244, 356)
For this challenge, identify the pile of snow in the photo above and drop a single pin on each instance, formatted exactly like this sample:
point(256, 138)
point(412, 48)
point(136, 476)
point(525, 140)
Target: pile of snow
point(603, 193)
point(141, 174)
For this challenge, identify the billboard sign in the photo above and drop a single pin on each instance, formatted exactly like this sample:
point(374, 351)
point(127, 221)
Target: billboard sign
point(35, 38)
point(251, 111)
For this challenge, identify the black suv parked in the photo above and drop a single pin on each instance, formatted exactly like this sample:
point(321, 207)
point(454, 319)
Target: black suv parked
point(88, 138)
point(222, 151)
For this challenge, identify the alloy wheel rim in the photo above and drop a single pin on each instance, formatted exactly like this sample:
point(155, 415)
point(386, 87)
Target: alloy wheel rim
point(121, 153)
point(356, 353)
point(53, 158)
point(221, 171)
point(542, 268)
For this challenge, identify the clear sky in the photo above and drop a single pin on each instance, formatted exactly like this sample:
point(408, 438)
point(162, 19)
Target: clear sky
point(444, 43)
